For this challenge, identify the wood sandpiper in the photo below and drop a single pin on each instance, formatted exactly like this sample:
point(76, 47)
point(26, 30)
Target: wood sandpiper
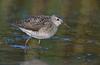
point(39, 27)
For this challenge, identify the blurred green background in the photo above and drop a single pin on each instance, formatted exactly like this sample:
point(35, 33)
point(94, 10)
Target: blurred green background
point(77, 45)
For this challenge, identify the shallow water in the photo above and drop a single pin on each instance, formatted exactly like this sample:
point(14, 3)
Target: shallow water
point(77, 45)
point(58, 50)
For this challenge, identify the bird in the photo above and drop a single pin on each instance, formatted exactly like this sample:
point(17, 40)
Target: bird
point(39, 27)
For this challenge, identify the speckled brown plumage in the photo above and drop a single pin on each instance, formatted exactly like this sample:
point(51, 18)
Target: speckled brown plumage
point(35, 23)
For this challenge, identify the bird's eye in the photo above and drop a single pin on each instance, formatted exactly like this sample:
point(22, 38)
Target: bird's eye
point(57, 19)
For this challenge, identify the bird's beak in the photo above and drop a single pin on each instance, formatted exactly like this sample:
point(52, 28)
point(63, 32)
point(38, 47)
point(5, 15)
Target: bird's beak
point(66, 25)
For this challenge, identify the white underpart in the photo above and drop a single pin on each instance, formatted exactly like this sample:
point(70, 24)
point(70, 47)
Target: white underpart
point(38, 35)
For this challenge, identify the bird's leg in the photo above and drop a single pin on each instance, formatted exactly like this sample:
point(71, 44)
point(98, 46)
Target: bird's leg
point(39, 52)
point(26, 42)
point(39, 42)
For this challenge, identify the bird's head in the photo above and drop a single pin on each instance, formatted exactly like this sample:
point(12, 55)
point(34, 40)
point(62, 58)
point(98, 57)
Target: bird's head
point(57, 21)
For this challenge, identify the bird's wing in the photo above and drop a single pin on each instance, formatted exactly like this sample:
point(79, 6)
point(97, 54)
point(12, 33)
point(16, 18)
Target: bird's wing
point(34, 23)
